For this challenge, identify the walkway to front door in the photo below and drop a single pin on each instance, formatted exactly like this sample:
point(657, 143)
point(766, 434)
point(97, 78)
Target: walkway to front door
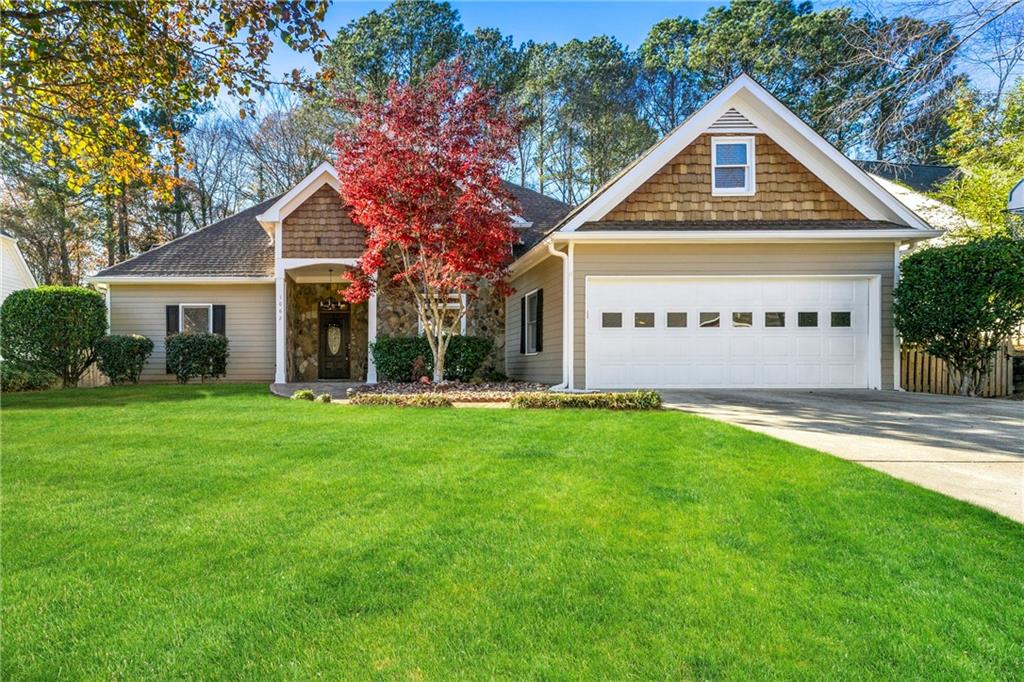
point(337, 389)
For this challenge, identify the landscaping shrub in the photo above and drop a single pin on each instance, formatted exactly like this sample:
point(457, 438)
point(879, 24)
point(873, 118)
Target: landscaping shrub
point(323, 398)
point(395, 356)
point(14, 379)
point(634, 400)
point(465, 356)
point(960, 303)
point(303, 394)
point(121, 358)
point(197, 355)
point(402, 399)
point(407, 358)
point(53, 330)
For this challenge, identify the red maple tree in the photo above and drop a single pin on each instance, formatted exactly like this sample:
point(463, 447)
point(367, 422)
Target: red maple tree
point(420, 171)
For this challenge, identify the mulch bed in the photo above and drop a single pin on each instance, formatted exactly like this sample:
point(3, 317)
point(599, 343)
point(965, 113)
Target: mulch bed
point(487, 392)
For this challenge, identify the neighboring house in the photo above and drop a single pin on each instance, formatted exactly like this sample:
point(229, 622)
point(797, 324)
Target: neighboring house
point(14, 272)
point(742, 250)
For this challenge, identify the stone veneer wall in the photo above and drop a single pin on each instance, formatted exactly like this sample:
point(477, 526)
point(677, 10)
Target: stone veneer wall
point(304, 331)
point(396, 316)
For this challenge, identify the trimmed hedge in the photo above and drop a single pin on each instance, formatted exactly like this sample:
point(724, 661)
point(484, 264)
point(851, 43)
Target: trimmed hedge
point(14, 379)
point(197, 355)
point(402, 399)
point(634, 400)
point(121, 358)
point(407, 358)
point(53, 329)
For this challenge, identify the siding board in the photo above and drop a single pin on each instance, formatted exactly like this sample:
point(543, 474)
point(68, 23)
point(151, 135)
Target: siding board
point(546, 366)
point(139, 309)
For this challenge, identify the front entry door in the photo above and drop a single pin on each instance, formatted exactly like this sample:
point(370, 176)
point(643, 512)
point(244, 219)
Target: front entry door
point(335, 332)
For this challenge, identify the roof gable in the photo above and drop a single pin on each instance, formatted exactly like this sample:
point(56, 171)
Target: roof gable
point(745, 103)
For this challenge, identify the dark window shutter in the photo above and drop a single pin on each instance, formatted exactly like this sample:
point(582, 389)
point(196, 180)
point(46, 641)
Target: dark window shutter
point(540, 320)
point(522, 326)
point(218, 320)
point(172, 328)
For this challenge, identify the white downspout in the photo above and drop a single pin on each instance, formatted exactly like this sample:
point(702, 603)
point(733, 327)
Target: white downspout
point(566, 303)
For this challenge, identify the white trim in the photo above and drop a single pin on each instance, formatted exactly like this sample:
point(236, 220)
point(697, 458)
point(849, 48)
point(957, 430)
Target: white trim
point(874, 359)
point(568, 321)
point(749, 189)
point(656, 237)
point(664, 151)
point(897, 356)
point(324, 174)
point(280, 327)
point(209, 315)
point(106, 296)
point(371, 333)
point(125, 279)
point(526, 324)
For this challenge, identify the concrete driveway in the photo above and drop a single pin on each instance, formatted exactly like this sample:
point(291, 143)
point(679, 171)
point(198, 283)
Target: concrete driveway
point(970, 449)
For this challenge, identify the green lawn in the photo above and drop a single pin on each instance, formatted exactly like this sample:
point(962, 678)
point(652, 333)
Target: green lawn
point(217, 532)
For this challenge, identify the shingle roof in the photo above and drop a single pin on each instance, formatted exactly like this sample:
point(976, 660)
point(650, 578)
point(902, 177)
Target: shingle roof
point(234, 247)
point(916, 176)
point(541, 210)
point(689, 226)
point(239, 247)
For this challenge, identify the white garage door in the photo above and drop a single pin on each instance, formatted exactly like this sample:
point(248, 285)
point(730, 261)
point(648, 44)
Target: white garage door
point(676, 332)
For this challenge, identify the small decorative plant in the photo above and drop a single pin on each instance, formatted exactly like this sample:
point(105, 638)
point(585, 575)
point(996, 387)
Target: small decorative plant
point(303, 394)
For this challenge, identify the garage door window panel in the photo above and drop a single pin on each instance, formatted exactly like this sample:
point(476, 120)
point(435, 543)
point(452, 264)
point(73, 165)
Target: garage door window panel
point(643, 320)
point(841, 319)
point(743, 319)
point(710, 320)
point(611, 320)
point(774, 320)
point(676, 320)
point(807, 319)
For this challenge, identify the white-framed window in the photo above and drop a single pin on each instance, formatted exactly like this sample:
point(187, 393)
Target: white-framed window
point(732, 165)
point(532, 300)
point(195, 318)
point(456, 304)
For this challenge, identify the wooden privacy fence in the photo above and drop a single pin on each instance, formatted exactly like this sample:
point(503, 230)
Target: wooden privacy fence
point(924, 373)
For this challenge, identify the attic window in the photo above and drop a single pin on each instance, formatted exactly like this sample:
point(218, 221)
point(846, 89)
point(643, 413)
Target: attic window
point(732, 166)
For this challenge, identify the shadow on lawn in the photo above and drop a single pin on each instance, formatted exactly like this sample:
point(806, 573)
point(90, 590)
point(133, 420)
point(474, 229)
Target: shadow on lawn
point(119, 396)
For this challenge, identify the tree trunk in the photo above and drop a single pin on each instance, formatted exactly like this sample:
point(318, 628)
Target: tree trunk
point(178, 209)
point(110, 236)
point(62, 245)
point(122, 224)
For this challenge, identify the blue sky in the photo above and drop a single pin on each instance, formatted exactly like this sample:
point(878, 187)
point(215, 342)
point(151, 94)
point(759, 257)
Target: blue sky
point(556, 22)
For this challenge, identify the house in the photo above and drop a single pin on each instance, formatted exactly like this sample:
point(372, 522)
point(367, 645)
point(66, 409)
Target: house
point(741, 250)
point(14, 272)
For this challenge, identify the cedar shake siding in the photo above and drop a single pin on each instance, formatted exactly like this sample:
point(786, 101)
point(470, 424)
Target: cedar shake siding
point(546, 366)
point(851, 258)
point(321, 228)
point(248, 317)
point(785, 190)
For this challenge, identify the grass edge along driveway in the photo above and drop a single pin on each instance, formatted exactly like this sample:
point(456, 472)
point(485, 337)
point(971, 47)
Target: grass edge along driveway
point(218, 532)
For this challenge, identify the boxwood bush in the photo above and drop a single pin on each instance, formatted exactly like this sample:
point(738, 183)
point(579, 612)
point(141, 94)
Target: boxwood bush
point(634, 400)
point(121, 358)
point(406, 358)
point(53, 330)
point(197, 355)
